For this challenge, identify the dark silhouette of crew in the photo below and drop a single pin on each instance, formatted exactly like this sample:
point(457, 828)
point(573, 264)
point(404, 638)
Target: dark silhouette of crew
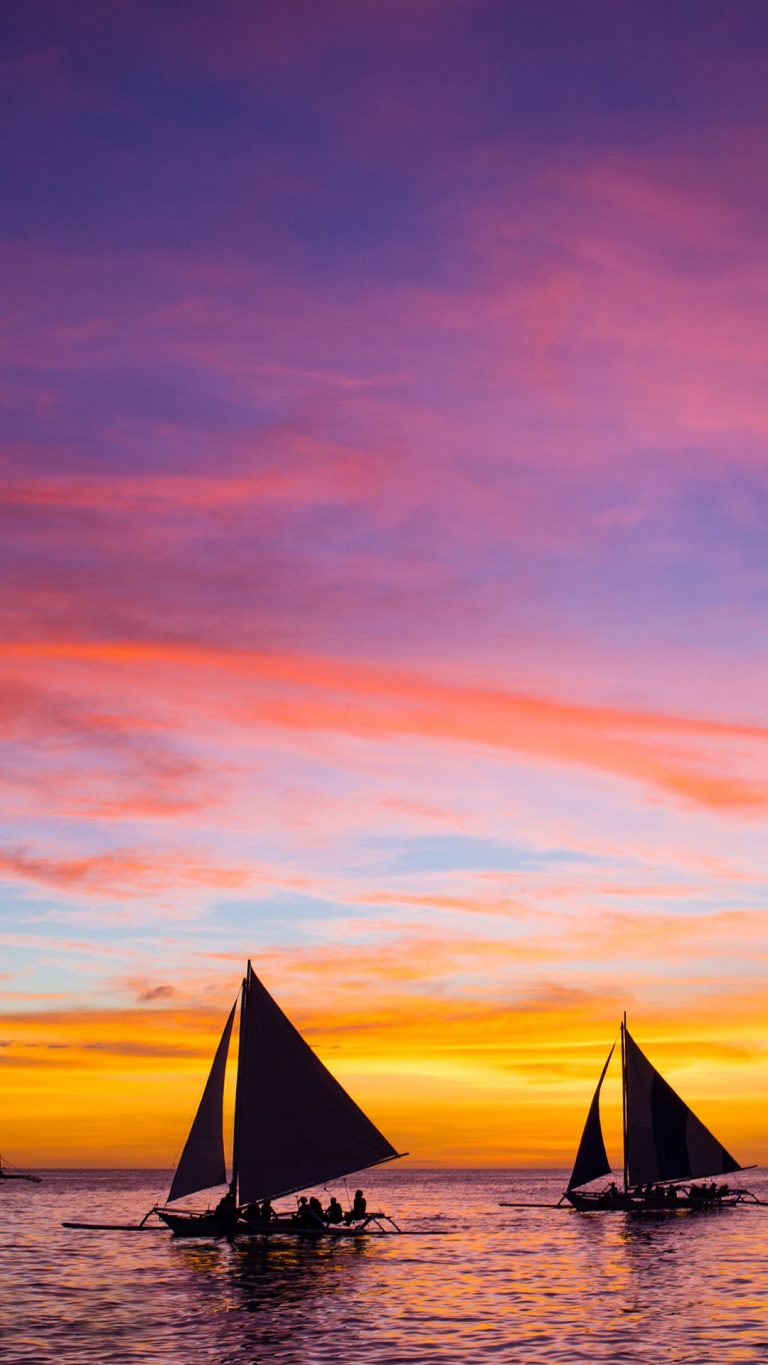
point(259, 1213)
point(227, 1205)
point(334, 1213)
point(358, 1208)
point(304, 1215)
point(358, 1205)
point(316, 1208)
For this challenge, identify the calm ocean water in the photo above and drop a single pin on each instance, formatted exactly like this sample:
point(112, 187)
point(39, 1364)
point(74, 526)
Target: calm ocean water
point(522, 1285)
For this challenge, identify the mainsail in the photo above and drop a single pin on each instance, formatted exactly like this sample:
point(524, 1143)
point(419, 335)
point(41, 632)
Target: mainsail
point(295, 1126)
point(664, 1138)
point(591, 1159)
point(202, 1163)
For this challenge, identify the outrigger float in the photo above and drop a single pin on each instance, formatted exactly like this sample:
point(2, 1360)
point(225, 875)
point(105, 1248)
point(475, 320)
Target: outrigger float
point(667, 1149)
point(295, 1129)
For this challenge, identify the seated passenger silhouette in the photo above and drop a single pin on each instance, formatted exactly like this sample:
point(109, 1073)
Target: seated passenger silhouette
point(304, 1215)
point(334, 1213)
point(358, 1208)
point(226, 1205)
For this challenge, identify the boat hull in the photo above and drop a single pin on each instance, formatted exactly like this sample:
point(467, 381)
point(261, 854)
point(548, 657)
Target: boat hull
point(620, 1202)
point(198, 1224)
point(373, 1223)
point(212, 1225)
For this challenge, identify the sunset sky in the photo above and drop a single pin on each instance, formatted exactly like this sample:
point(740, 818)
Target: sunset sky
point(384, 456)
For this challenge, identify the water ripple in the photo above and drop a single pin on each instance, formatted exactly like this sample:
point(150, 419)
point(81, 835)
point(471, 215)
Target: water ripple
point(506, 1285)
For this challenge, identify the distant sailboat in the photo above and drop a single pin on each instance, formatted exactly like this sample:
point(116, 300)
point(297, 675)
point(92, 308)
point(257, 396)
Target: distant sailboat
point(10, 1173)
point(665, 1147)
point(295, 1128)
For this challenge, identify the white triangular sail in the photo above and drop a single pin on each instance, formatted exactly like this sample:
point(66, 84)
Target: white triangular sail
point(202, 1163)
point(295, 1126)
point(665, 1140)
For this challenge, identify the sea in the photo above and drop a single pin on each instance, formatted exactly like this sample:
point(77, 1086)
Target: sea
point(469, 1281)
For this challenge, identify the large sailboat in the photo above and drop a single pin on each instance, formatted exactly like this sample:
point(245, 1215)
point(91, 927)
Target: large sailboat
point(667, 1149)
point(295, 1128)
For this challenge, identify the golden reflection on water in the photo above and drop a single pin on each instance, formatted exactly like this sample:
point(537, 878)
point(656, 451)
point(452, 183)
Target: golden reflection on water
point(516, 1285)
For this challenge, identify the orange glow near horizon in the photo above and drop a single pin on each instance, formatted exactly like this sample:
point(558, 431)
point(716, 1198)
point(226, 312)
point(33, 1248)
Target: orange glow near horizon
point(477, 1087)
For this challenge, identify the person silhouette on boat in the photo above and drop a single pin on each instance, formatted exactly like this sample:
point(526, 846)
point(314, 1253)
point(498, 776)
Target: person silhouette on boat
point(316, 1209)
point(260, 1213)
point(334, 1213)
point(358, 1208)
point(304, 1215)
point(226, 1206)
point(613, 1192)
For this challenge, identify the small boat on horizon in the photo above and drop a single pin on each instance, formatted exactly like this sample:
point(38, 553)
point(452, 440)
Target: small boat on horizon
point(667, 1149)
point(295, 1128)
point(11, 1173)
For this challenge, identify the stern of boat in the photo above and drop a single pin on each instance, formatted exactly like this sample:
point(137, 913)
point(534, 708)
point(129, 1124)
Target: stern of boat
point(197, 1224)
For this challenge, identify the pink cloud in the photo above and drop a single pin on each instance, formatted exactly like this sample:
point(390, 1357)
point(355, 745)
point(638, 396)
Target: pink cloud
point(616, 324)
point(121, 873)
point(714, 764)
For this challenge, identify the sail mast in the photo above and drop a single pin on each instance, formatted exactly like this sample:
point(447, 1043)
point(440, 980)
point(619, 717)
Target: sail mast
point(624, 1095)
point(239, 1081)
